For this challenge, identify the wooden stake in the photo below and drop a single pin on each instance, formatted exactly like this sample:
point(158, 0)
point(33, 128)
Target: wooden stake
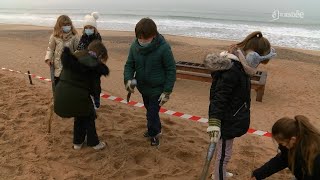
point(29, 74)
point(50, 116)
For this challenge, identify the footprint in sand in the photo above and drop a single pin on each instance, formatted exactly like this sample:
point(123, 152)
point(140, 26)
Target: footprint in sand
point(125, 114)
point(185, 156)
point(23, 147)
point(5, 136)
point(169, 122)
point(21, 116)
point(129, 131)
point(139, 158)
point(189, 133)
point(118, 164)
point(8, 169)
point(121, 120)
point(141, 126)
point(140, 172)
point(134, 142)
point(66, 132)
point(4, 116)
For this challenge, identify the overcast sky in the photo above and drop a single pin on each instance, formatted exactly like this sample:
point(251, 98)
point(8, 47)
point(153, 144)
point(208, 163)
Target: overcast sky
point(307, 6)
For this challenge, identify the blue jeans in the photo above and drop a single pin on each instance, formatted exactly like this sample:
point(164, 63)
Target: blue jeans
point(153, 120)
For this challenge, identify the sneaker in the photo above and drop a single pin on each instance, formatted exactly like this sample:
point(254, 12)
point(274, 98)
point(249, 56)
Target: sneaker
point(100, 146)
point(228, 175)
point(146, 134)
point(77, 146)
point(155, 141)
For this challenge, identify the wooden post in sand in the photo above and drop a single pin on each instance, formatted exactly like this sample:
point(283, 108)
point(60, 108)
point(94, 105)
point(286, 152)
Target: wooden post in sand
point(52, 101)
point(50, 116)
point(29, 74)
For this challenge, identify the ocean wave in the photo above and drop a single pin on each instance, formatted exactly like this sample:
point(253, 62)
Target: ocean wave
point(288, 35)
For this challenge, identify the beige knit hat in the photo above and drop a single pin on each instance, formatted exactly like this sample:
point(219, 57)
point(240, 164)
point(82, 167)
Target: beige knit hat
point(91, 19)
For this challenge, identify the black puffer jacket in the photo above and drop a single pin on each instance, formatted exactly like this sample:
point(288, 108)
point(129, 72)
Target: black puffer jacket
point(86, 40)
point(229, 96)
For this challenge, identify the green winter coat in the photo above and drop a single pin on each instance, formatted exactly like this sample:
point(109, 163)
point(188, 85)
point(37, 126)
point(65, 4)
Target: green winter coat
point(78, 80)
point(154, 66)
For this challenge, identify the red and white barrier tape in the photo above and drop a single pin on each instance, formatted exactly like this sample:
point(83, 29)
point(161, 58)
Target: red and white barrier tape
point(140, 105)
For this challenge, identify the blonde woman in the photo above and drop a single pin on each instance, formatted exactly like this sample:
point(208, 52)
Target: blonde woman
point(64, 35)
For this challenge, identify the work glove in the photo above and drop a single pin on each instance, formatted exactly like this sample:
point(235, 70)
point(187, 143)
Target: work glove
point(130, 85)
point(164, 97)
point(214, 129)
point(273, 52)
point(269, 56)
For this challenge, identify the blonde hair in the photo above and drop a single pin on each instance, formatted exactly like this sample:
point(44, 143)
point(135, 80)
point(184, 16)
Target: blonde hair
point(308, 139)
point(255, 42)
point(61, 21)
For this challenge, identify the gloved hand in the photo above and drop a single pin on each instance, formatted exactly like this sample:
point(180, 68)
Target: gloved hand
point(129, 86)
point(214, 129)
point(273, 53)
point(48, 61)
point(164, 97)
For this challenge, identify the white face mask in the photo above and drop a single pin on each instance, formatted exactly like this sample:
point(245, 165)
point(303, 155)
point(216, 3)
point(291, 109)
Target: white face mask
point(145, 43)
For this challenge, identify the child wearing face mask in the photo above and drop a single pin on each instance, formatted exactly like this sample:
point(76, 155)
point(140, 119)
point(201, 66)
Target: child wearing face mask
point(90, 32)
point(299, 145)
point(64, 35)
point(229, 110)
point(151, 63)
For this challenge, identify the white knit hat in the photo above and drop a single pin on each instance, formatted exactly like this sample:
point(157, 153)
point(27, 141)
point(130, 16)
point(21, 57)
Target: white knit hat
point(91, 19)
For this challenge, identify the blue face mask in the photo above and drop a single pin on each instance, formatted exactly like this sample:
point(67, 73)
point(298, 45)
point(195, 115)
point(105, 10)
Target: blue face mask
point(89, 32)
point(66, 29)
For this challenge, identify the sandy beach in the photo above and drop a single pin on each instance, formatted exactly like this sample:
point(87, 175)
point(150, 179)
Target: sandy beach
point(28, 152)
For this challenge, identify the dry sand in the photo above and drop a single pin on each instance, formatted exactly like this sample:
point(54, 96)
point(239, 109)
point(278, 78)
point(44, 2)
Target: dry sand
point(28, 152)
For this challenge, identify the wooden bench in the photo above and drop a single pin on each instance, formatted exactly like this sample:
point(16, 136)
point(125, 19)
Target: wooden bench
point(197, 72)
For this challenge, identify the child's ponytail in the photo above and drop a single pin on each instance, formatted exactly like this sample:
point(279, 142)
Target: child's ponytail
point(309, 138)
point(255, 42)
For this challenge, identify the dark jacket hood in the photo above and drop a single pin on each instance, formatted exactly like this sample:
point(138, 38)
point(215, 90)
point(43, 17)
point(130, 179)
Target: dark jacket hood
point(82, 61)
